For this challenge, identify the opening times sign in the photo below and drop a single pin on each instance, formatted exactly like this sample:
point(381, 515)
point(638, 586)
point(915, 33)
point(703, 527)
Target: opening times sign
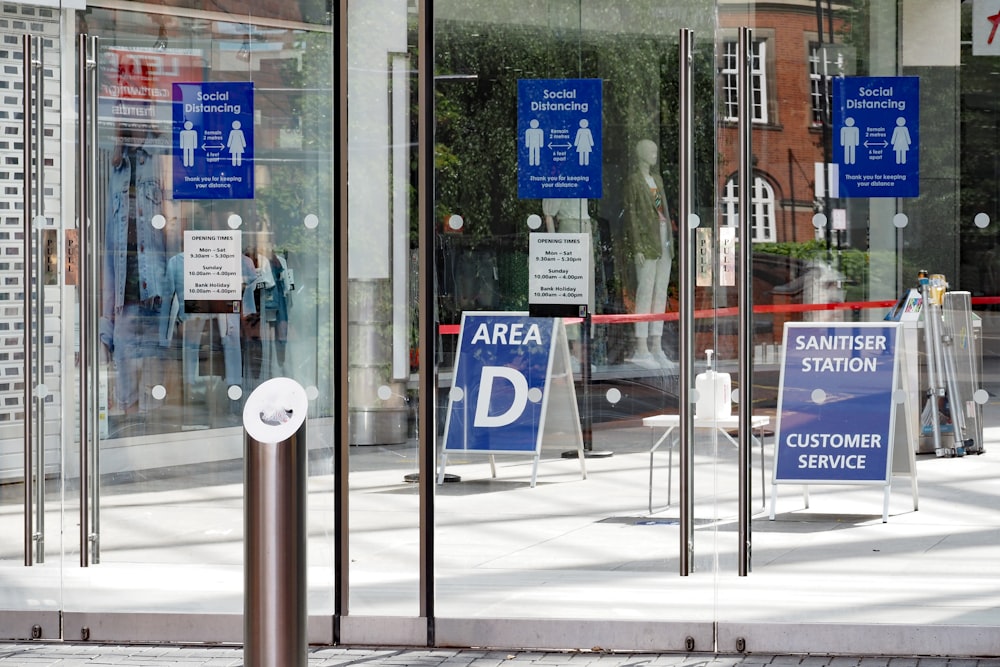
point(835, 408)
point(559, 270)
point(213, 271)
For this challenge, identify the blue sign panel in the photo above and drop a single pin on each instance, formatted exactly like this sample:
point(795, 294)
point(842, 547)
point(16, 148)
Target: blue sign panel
point(835, 405)
point(559, 138)
point(500, 381)
point(213, 140)
point(876, 136)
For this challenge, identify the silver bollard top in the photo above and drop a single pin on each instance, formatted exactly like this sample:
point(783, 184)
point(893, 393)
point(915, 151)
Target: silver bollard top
point(275, 410)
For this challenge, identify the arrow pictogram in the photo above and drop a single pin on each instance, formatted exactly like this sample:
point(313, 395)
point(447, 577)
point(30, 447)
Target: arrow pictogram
point(995, 20)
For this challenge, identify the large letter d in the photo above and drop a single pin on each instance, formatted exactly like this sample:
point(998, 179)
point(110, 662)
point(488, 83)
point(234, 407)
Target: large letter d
point(520, 383)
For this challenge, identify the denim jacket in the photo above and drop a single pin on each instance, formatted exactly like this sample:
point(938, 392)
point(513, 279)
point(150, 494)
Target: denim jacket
point(150, 242)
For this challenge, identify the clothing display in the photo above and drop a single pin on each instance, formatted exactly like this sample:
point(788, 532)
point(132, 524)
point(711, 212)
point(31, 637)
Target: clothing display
point(194, 323)
point(133, 270)
point(272, 296)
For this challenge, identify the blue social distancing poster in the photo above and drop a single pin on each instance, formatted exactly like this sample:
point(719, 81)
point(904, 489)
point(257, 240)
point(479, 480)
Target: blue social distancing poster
point(213, 142)
point(876, 136)
point(559, 139)
point(836, 403)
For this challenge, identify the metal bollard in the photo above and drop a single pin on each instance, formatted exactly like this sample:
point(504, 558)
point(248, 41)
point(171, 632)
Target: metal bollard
point(274, 523)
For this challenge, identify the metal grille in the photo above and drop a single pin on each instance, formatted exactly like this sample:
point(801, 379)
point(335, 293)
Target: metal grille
point(15, 20)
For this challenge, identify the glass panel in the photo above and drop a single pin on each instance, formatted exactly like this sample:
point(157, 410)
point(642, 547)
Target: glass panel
point(382, 307)
point(840, 254)
point(53, 319)
point(805, 266)
point(516, 537)
point(215, 209)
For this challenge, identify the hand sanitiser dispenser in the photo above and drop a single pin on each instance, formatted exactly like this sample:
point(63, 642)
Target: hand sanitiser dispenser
point(714, 393)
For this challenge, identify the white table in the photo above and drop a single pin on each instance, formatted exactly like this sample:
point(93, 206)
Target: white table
point(723, 424)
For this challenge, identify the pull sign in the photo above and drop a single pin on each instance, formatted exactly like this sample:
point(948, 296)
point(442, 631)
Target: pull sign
point(72, 275)
point(703, 264)
point(50, 251)
point(727, 256)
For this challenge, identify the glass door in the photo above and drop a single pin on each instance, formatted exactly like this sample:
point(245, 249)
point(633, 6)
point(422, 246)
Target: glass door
point(205, 175)
point(596, 120)
point(873, 165)
point(36, 323)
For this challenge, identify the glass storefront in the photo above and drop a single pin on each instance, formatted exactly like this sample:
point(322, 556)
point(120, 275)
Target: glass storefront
point(609, 316)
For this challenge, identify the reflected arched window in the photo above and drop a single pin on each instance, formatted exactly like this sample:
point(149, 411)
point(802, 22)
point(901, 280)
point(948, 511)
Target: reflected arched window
point(762, 214)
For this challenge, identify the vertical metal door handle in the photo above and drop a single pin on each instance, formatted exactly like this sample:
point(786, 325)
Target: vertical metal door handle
point(38, 219)
point(96, 241)
point(87, 119)
point(686, 300)
point(28, 267)
point(745, 121)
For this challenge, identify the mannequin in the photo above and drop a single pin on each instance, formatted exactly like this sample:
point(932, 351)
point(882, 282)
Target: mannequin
point(570, 216)
point(649, 235)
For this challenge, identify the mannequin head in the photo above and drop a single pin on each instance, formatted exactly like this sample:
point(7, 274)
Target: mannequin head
point(645, 152)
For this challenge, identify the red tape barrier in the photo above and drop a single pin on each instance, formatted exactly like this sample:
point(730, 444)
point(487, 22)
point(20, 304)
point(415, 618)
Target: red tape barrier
point(626, 318)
